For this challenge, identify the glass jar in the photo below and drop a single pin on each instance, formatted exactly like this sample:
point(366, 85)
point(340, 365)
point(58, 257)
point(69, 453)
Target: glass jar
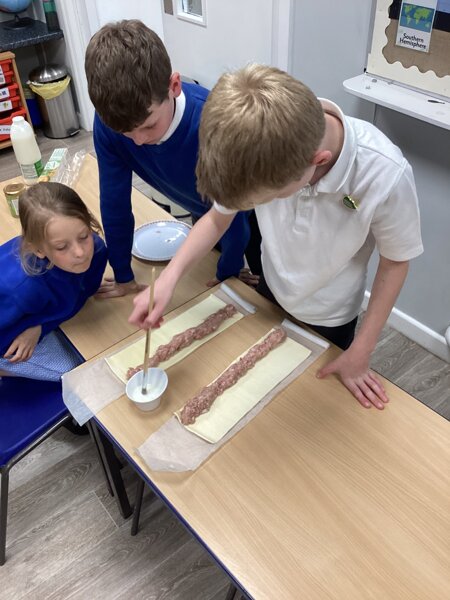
point(12, 192)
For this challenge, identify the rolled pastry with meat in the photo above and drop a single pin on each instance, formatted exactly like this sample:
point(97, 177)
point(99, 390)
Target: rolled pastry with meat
point(202, 402)
point(187, 337)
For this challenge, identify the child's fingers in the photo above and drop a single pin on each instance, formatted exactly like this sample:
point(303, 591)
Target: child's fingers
point(112, 292)
point(154, 323)
point(111, 289)
point(19, 351)
point(138, 314)
point(11, 350)
point(212, 282)
point(376, 386)
point(17, 357)
point(246, 276)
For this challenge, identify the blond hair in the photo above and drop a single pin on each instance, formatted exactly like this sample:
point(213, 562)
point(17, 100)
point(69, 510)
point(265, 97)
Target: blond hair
point(127, 70)
point(38, 204)
point(259, 130)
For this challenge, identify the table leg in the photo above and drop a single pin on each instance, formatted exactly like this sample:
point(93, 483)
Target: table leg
point(94, 439)
point(137, 506)
point(112, 468)
point(234, 594)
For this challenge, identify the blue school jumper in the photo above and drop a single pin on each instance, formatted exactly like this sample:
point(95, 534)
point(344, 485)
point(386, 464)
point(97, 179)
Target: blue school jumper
point(169, 167)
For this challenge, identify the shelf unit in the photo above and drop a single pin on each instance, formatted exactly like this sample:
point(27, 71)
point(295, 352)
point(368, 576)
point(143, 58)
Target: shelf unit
point(421, 105)
point(16, 103)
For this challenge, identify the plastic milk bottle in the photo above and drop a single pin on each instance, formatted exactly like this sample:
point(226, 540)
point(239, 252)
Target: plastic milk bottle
point(26, 150)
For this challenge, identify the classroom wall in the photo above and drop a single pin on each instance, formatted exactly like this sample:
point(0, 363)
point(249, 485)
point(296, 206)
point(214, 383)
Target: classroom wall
point(80, 19)
point(115, 10)
point(236, 33)
point(427, 147)
point(331, 45)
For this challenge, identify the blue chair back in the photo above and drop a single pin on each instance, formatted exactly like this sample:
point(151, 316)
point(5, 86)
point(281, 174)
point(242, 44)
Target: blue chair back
point(28, 408)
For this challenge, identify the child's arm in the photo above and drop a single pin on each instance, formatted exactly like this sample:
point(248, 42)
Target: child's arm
point(352, 366)
point(202, 238)
point(116, 210)
point(232, 247)
point(20, 304)
point(110, 288)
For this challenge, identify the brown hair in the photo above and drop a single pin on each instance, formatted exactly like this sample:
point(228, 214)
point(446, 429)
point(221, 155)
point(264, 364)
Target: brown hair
point(259, 130)
point(127, 69)
point(37, 206)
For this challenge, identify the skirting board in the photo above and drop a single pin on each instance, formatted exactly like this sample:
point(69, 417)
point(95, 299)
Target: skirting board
point(416, 331)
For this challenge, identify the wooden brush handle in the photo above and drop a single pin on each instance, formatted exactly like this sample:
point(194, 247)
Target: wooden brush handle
point(149, 331)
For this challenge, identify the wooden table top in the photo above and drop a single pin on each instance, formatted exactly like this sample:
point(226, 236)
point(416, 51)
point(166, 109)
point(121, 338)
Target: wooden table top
point(108, 319)
point(316, 497)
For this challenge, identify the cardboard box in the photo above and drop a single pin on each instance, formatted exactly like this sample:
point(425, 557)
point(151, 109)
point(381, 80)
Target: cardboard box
point(55, 165)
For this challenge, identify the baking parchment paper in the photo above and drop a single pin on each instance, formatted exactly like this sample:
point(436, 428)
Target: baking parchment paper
point(174, 448)
point(90, 387)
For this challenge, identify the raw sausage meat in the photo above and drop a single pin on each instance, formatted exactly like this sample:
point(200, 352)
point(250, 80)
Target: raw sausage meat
point(203, 401)
point(185, 338)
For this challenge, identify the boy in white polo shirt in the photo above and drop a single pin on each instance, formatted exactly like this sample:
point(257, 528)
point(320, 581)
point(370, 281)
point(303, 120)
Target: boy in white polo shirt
point(326, 189)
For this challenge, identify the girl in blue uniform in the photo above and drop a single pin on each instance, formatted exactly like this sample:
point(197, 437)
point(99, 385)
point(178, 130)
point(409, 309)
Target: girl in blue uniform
point(46, 276)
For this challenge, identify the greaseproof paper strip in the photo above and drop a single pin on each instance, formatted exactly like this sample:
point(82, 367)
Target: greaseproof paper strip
point(173, 448)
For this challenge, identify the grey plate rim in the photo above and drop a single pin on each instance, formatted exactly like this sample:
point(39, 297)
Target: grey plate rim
point(159, 259)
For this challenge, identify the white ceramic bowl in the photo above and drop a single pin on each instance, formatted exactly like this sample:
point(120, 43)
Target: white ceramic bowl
point(156, 386)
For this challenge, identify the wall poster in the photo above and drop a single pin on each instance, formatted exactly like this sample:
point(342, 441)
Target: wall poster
point(411, 44)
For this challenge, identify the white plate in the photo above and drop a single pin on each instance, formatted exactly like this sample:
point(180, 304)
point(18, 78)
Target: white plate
point(159, 240)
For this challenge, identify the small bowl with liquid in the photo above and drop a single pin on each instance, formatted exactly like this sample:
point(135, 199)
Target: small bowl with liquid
point(156, 386)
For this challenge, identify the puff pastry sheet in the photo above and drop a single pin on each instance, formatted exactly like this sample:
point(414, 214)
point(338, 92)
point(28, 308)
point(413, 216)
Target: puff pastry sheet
point(238, 400)
point(133, 354)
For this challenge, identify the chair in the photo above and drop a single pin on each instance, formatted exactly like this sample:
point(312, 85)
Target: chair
point(30, 411)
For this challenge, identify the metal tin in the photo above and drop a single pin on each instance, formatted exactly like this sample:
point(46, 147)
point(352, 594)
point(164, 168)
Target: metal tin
point(12, 192)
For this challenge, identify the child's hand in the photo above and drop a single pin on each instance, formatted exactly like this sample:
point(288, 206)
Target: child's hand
point(164, 288)
point(353, 370)
point(110, 288)
point(246, 276)
point(23, 346)
point(212, 282)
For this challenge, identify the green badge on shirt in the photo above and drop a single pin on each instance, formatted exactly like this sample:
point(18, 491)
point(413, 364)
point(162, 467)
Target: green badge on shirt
point(349, 202)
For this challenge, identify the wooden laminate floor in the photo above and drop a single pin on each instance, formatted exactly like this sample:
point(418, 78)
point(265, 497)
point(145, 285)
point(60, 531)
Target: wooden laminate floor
point(66, 538)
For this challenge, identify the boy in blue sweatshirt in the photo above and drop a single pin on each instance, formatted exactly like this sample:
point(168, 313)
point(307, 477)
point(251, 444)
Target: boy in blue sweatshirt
point(147, 122)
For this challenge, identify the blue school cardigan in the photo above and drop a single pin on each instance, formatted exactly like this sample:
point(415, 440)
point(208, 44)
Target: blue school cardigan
point(47, 299)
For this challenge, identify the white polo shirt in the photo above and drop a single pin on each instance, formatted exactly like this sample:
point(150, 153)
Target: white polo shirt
point(315, 249)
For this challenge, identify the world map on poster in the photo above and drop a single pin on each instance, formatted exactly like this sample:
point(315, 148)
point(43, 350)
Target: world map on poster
point(415, 25)
point(417, 17)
